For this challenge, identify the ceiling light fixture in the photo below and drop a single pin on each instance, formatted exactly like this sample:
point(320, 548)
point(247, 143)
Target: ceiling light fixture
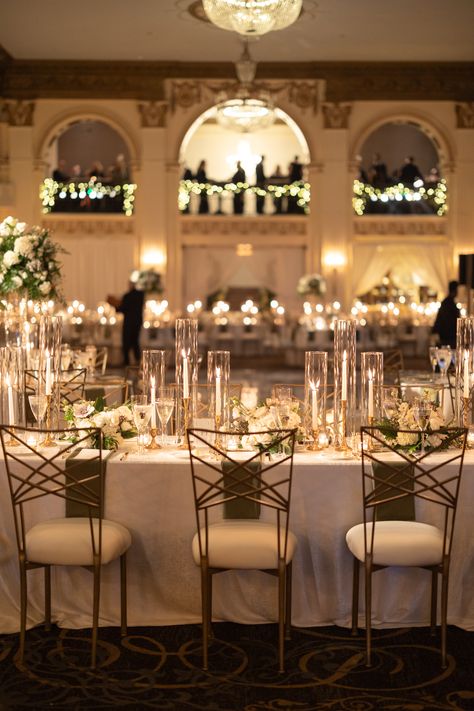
point(252, 17)
point(248, 110)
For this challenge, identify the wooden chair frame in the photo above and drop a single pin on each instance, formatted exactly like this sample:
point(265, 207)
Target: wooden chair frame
point(29, 480)
point(214, 490)
point(418, 480)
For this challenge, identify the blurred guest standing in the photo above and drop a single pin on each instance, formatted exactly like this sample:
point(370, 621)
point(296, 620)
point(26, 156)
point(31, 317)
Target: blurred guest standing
point(410, 172)
point(260, 183)
point(239, 177)
point(131, 306)
point(201, 177)
point(445, 324)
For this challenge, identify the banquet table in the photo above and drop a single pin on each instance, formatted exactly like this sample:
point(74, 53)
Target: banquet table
point(151, 495)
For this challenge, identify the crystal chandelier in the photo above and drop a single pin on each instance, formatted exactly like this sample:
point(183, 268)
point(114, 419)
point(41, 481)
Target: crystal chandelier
point(252, 17)
point(248, 110)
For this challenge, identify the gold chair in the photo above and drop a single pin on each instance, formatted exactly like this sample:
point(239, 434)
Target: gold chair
point(72, 385)
point(230, 495)
point(392, 482)
point(83, 537)
point(393, 363)
point(101, 360)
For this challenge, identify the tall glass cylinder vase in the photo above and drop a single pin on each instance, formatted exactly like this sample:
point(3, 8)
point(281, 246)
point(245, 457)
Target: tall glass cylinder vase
point(371, 387)
point(154, 378)
point(186, 370)
point(465, 373)
point(218, 376)
point(12, 367)
point(344, 381)
point(315, 388)
point(50, 337)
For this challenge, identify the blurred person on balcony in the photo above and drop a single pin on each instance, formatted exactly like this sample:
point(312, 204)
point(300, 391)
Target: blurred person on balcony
point(60, 174)
point(260, 182)
point(277, 178)
point(409, 172)
point(378, 173)
point(131, 306)
point(447, 316)
point(201, 177)
point(239, 177)
point(96, 170)
point(120, 172)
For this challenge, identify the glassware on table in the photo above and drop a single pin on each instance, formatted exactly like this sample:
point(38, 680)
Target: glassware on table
point(421, 413)
point(141, 411)
point(165, 403)
point(390, 403)
point(283, 393)
point(38, 405)
point(66, 356)
point(91, 355)
point(444, 358)
point(433, 350)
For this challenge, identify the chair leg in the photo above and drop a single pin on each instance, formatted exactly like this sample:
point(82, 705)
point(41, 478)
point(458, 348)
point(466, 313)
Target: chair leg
point(444, 614)
point(23, 610)
point(95, 613)
point(209, 606)
point(355, 595)
point(281, 615)
point(47, 597)
point(368, 612)
point(288, 591)
point(434, 600)
point(123, 594)
point(205, 614)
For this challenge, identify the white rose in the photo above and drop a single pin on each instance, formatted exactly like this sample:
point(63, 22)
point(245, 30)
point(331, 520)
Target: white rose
point(45, 287)
point(82, 409)
point(19, 228)
point(10, 258)
point(124, 411)
point(23, 246)
point(405, 439)
point(17, 281)
point(126, 426)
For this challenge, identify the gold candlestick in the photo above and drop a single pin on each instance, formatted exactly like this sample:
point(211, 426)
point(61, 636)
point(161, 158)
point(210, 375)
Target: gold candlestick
point(465, 414)
point(342, 447)
point(314, 446)
point(186, 401)
point(370, 444)
point(48, 440)
point(12, 442)
point(153, 444)
point(217, 422)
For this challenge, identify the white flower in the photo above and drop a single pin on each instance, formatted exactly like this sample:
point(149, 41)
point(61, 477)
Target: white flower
point(23, 246)
point(45, 287)
point(82, 409)
point(17, 281)
point(10, 258)
point(436, 420)
point(19, 228)
point(126, 426)
point(405, 439)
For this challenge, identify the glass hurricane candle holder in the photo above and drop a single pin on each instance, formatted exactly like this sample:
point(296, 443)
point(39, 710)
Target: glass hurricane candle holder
point(315, 387)
point(186, 370)
point(50, 337)
point(154, 378)
point(465, 372)
point(218, 376)
point(371, 387)
point(12, 367)
point(344, 381)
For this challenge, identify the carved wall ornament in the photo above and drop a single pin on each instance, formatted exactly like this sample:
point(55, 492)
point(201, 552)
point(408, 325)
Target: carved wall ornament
point(400, 226)
point(336, 115)
point(185, 94)
point(153, 114)
point(465, 115)
point(18, 113)
point(304, 94)
point(270, 227)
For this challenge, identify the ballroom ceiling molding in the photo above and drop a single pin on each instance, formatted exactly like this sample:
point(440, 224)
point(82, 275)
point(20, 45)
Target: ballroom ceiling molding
point(336, 115)
point(465, 115)
point(243, 227)
point(153, 114)
point(70, 227)
point(17, 113)
point(345, 81)
point(374, 226)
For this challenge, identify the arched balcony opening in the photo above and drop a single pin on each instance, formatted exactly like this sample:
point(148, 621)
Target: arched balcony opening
point(87, 170)
point(211, 185)
point(400, 172)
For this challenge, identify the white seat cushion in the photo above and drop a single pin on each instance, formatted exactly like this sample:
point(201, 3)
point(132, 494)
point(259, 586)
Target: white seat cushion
point(67, 541)
point(398, 543)
point(244, 544)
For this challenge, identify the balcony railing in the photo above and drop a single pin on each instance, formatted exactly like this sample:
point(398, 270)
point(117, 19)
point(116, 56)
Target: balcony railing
point(87, 196)
point(220, 198)
point(421, 199)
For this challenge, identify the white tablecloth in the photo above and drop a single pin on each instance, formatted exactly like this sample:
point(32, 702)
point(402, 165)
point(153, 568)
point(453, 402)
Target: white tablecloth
point(152, 496)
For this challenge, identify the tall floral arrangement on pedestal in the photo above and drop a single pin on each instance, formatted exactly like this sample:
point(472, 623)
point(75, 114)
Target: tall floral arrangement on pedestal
point(29, 262)
point(311, 285)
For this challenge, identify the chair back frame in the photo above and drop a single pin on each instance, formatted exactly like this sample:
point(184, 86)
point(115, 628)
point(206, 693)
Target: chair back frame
point(215, 489)
point(416, 478)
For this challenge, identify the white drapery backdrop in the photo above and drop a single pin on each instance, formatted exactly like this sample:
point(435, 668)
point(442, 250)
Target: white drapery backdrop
point(418, 264)
point(207, 269)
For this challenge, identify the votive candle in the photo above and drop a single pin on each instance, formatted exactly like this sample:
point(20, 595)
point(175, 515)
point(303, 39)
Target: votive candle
point(153, 401)
point(344, 377)
point(185, 375)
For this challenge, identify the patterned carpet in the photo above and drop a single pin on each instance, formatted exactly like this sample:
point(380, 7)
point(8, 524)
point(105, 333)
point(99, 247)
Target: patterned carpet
point(159, 668)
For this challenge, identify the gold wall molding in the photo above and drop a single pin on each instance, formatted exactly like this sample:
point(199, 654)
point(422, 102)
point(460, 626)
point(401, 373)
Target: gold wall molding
point(345, 81)
point(378, 226)
point(336, 115)
point(153, 114)
point(465, 115)
point(17, 113)
point(243, 227)
point(89, 226)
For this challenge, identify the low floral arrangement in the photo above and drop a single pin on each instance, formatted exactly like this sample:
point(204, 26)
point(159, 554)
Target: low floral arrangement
point(116, 423)
point(147, 280)
point(28, 261)
point(269, 415)
point(403, 417)
point(311, 285)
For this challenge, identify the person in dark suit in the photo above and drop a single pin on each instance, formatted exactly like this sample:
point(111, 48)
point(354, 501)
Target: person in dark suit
point(410, 172)
point(378, 173)
point(201, 177)
point(239, 177)
point(260, 182)
point(446, 319)
point(131, 306)
point(295, 176)
point(60, 174)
